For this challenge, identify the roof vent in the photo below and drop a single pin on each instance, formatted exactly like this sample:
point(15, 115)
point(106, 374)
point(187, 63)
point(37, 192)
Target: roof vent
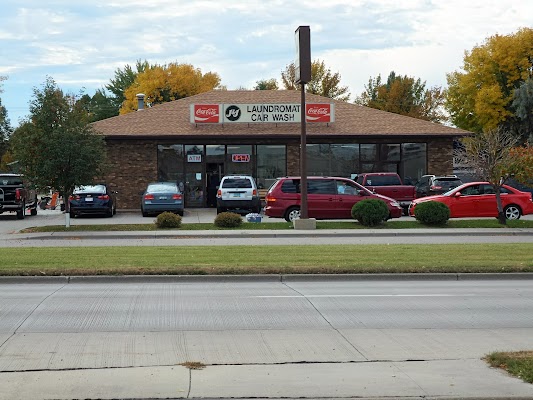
point(140, 101)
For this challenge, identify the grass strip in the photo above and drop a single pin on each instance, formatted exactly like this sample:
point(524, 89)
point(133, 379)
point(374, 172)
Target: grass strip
point(308, 259)
point(463, 223)
point(518, 363)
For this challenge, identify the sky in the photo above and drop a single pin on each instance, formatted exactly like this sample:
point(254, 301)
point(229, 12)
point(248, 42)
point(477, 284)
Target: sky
point(80, 44)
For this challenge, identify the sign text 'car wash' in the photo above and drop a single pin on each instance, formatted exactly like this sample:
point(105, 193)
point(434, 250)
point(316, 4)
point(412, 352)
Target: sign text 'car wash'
point(260, 113)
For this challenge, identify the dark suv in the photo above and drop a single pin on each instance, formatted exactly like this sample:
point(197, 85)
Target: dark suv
point(430, 185)
point(327, 198)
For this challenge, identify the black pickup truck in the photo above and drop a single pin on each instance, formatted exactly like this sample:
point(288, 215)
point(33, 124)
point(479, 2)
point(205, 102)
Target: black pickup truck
point(15, 196)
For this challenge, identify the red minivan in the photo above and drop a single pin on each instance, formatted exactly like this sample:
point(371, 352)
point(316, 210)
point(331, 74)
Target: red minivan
point(327, 198)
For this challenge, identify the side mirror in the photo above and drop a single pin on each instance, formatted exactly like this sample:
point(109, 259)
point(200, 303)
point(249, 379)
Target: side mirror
point(141, 192)
point(457, 194)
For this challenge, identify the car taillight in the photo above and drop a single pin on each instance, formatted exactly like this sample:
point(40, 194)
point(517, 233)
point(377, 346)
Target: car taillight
point(270, 199)
point(148, 196)
point(433, 187)
point(219, 193)
point(254, 192)
point(176, 197)
point(17, 194)
point(74, 197)
point(104, 197)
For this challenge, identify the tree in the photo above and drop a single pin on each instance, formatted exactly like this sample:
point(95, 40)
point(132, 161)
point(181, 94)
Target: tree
point(323, 81)
point(99, 106)
point(481, 97)
point(174, 81)
point(489, 156)
point(124, 78)
point(404, 95)
point(5, 130)
point(56, 147)
point(266, 84)
point(523, 107)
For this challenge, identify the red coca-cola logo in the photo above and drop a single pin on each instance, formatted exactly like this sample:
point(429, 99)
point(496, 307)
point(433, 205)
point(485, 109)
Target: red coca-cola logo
point(318, 112)
point(206, 113)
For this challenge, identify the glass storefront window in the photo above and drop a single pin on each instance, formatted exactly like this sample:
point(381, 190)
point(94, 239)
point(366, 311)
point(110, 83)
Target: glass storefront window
point(368, 152)
point(170, 160)
point(318, 159)
point(242, 163)
point(345, 160)
point(414, 157)
point(194, 180)
point(390, 152)
point(271, 164)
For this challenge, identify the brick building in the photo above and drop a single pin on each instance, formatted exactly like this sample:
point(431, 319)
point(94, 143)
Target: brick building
point(258, 133)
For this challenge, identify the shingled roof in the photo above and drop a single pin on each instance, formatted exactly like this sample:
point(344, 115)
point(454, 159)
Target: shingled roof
point(172, 119)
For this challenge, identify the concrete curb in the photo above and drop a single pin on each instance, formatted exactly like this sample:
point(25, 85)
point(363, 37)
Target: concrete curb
point(266, 278)
point(176, 234)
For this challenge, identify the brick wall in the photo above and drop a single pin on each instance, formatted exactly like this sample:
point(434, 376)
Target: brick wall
point(440, 156)
point(132, 165)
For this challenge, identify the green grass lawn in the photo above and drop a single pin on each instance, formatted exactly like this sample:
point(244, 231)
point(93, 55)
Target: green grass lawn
point(518, 363)
point(463, 223)
point(261, 259)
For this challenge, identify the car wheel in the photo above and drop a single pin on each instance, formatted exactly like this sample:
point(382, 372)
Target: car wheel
point(72, 215)
point(220, 210)
point(114, 209)
point(292, 214)
point(22, 212)
point(33, 211)
point(512, 212)
point(180, 213)
point(257, 210)
point(145, 214)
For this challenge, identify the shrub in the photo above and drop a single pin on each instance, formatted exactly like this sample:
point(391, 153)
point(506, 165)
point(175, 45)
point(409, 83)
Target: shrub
point(168, 220)
point(432, 213)
point(370, 212)
point(228, 220)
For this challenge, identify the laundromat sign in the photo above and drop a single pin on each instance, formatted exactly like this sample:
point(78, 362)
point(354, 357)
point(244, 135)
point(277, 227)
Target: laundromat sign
point(260, 113)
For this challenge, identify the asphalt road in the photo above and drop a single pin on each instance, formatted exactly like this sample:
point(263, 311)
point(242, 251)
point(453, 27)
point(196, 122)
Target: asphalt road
point(261, 337)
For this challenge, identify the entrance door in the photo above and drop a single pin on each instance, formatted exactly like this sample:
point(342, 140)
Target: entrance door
point(214, 173)
point(194, 187)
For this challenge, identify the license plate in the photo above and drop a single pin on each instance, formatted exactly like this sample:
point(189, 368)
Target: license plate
point(162, 197)
point(88, 199)
point(236, 195)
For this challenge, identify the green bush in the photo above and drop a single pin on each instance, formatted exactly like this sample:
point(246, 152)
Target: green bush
point(370, 212)
point(432, 213)
point(168, 220)
point(228, 220)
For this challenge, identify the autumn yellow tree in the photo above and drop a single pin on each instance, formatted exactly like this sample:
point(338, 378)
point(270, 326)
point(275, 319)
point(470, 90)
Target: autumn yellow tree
point(161, 84)
point(404, 95)
point(323, 81)
point(479, 98)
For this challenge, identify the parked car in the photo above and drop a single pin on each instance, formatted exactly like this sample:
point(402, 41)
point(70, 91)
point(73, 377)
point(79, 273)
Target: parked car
point(388, 184)
point(430, 185)
point(478, 199)
point(238, 193)
point(162, 196)
point(16, 196)
point(93, 199)
point(327, 198)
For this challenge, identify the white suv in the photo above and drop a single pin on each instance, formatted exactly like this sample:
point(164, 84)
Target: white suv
point(238, 193)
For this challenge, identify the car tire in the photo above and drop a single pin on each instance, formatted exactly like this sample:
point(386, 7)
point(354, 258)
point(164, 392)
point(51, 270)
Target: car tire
point(22, 212)
point(72, 215)
point(292, 213)
point(257, 210)
point(33, 211)
point(180, 213)
point(220, 210)
point(114, 209)
point(512, 212)
point(144, 213)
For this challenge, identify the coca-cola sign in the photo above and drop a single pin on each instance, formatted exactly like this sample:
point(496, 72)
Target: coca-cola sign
point(318, 113)
point(206, 113)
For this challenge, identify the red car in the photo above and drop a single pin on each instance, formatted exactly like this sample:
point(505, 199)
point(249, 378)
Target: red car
point(327, 198)
point(478, 199)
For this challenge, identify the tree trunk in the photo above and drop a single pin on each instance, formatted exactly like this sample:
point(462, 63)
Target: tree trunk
point(501, 215)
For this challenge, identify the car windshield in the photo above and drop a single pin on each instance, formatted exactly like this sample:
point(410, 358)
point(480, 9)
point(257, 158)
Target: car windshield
point(10, 180)
point(90, 189)
point(162, 187)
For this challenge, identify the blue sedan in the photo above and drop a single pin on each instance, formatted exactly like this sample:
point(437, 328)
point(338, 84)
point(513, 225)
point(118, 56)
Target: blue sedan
point(162, 196)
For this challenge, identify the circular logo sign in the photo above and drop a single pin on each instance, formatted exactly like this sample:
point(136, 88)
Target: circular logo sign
point(233, 113)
